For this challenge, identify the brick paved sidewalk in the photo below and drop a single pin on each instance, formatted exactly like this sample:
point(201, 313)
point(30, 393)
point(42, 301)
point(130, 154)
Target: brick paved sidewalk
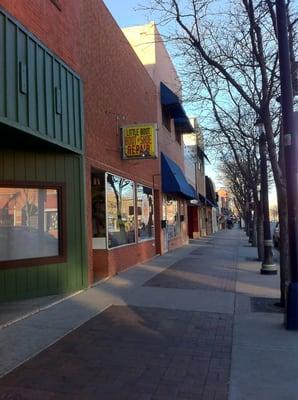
point(139, 352)
point(129, 353)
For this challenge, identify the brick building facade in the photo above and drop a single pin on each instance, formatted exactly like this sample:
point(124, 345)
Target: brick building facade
point(118, 91)
point(76, 87)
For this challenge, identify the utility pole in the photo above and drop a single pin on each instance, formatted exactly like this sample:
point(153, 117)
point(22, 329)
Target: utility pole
point(291, 161)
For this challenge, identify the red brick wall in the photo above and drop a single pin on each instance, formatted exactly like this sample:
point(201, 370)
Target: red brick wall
point(117, 91)
point(110, 262)
point(57, 29)
point(169, 145)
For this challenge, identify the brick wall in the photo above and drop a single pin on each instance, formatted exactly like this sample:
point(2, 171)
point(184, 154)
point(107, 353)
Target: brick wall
point(57, 28)
point(117, 91)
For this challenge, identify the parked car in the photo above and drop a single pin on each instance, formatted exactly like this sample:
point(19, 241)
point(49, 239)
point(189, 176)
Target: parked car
point(276, 236)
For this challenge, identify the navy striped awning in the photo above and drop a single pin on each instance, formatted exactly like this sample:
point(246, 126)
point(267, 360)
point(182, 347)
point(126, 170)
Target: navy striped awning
point(174, 181)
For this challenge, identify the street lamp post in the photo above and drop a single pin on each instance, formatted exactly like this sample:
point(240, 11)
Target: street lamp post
point(291, 163)
point(268, 266)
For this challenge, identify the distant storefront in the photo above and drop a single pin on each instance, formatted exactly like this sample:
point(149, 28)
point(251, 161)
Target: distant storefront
point(177, 193)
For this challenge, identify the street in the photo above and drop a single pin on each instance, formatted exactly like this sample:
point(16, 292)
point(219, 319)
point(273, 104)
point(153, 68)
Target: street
point(197, 323)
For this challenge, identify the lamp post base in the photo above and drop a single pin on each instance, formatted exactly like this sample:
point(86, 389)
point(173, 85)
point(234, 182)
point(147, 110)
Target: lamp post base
point(268, 269)
point(291, 315)
point(268, 266)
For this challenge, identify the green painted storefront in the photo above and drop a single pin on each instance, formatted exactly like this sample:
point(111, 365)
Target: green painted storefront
point(41, 128)
point(39, 94)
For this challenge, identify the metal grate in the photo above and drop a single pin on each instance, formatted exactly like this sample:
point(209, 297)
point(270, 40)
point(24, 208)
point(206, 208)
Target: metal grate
point(265, 304)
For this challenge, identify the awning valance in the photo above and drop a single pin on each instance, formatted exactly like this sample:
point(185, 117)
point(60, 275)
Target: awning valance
point(174, 181)
point(205, 201)
point(202, 198)
point(173, 104)
point(210, 203)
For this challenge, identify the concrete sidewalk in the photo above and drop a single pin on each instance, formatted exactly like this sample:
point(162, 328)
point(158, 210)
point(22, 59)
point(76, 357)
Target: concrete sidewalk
point(265, 355)
point(192, 324)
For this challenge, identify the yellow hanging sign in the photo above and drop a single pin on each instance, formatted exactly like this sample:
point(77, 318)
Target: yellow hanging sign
point(139, 141)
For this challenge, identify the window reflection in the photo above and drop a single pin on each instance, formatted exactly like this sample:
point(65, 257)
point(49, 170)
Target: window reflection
point(29, 225)
point(173, 220)
point(98, 205)
point(145, 212)
point(121, 211)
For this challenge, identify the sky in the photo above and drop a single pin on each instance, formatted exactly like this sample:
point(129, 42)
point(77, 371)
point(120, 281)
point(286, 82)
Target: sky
point(125, 12)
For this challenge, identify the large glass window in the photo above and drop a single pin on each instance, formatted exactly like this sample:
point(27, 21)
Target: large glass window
point(173, 219)
point(145, 213)
point(120, 211)
point(29, 223)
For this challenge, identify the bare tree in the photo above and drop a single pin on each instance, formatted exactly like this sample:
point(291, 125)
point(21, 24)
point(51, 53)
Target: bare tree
point(234, 43)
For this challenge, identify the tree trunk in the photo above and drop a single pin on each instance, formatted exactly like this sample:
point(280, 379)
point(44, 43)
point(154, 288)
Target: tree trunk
point(259, 220)
point(251, 228)
point(283, 244)
point(254, 230)
point(260, 232)
point(284, 250)
point(247, 223)
point(278, 169)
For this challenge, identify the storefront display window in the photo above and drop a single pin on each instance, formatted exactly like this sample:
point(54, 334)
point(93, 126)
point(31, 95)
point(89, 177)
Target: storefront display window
point(98, 205)
point(120, 211)
point(145, 213)
point(98, 210)
point(30, 223)
point(173, 219)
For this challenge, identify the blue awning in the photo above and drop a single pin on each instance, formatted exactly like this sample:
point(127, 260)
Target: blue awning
point(173, 104)
point(202, 198)
point(210, 203)
point(174, 181)
point(182, 125)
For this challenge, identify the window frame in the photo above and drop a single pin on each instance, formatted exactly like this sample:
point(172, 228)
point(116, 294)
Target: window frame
point(62, 236)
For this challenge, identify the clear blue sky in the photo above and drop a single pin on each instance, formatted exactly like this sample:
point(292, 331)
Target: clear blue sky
point(125, 12)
